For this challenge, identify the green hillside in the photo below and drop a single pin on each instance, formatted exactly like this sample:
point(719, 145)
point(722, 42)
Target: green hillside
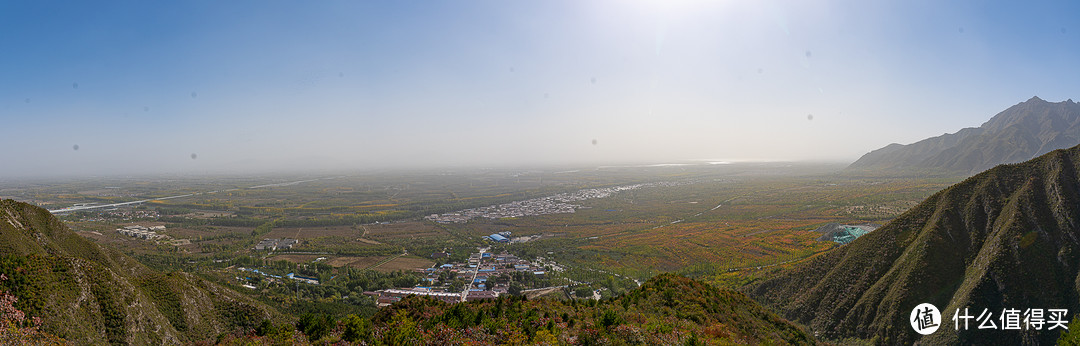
point(1006, 238)
point(666, 310)
point(90, 294)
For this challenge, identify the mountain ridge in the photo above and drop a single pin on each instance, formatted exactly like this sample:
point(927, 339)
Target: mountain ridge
point(1019, 133)
point(1005, 238)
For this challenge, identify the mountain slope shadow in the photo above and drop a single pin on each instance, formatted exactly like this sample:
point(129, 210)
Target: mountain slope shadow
point(1007, 238)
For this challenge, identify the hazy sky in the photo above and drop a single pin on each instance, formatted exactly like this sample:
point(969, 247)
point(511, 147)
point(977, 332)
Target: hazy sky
point(141, 86)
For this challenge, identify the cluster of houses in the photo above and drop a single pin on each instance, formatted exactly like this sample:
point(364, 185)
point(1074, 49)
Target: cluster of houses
point(276, 244)
point(392, 295)
point(142, 232)
point(114, 214)
point(479, 270)
point(488, 265)
point(556, 204)
point(532, 207)
point(272, 277)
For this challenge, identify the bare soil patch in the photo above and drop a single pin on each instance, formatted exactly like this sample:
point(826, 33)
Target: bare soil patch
point(406, 263)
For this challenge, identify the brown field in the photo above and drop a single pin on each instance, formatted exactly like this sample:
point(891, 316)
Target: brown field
point(314, 232)
point(204, 231)
point(553, 292)
point(208, 214)
point(409, 229)
point(401, 263)
point(405, 263)
point(296, 258)
point(357, 262)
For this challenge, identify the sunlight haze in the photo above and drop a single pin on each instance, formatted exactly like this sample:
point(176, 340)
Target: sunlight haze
point(252, 86)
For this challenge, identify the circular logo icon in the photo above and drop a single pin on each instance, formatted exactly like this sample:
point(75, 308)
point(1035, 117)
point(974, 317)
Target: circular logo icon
point(925, 319)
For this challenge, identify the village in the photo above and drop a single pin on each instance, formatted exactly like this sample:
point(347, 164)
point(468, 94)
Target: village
point(142, 232)
point(556, 204)
point(488, 276)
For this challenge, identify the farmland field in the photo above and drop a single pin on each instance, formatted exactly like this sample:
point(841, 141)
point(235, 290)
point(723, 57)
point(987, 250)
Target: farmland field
point(723, 222)
point(404, 263)
point(710, 227)
point(356, 262)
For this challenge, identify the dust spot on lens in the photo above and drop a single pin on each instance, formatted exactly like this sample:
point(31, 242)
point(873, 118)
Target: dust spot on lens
point(145, 109)
point(961, 30)
point(1063, 30)
point(193, 156)
point(759, 70)
point(808, 54)
point(27, 100)
point(545, 95)
point(594, 142)
point(194, 94)
point(74, 85)
point(810, 117)
point(341, 74)
point(593, 80)
point(511, 69)
point(75, 147)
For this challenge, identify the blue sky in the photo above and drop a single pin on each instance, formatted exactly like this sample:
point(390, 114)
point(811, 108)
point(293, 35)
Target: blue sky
point(266, 85)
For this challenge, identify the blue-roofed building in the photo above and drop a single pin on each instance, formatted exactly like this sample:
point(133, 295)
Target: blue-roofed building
point(312, 281)
point(848, 233)
point(498, 238)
